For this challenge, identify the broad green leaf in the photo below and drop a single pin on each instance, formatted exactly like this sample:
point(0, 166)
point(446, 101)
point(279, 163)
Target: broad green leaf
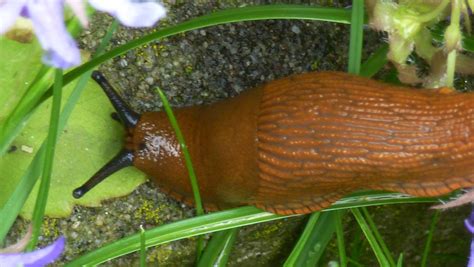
point(19, 65)
point(89, 140)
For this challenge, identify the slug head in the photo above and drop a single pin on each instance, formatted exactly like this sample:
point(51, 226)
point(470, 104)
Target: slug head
point(125, 157)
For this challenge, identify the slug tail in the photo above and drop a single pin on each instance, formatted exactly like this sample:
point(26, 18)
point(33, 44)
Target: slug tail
point(128, 117)
point(120, 161)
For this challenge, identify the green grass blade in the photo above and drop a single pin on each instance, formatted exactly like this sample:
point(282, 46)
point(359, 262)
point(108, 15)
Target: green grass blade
point(299, 248)
point(356, 247)
point(310, 247)
point(42, 198)
point(429, 239)
point(302, 254)
point(208, 223)
point(142, 247)
point(252, 13)
point(338, 15)
point(340, 239)
point(400, 260)
point(377, 236)
point(224, 220)
point(218, 249)
point(15, 121)
point(12, 208)
point(227, 249)
point(184, 147)
point(34, 95)
point(357, 35)
point(366, 229)
point(375, 62)
point(189, 165)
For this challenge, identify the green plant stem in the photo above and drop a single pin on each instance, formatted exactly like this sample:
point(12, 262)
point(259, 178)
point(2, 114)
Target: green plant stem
point(453, 27)
point(450, 69)
point(15, 202)
point(426, 251)
point(228, 219)
point(42, 198)
point(377, 236)
point(381, 258)
point(189, 165)
point(300, 247)
point(357, 35)
point(142, 247)
point(340, 239)
point(242, 14)
point(218, 249)
point(432, 15)
point(184, 147)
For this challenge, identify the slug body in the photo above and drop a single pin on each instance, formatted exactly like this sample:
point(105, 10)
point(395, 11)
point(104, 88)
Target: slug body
point(298, 144)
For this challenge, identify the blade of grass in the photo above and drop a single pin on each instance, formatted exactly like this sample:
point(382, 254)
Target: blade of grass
point(252, 13)
point(142, 247)
point(299, 248)
point(15, 121)
point(429, 239)
point(310, 247)
point(375, 62)
point(357, 35)
point(188, 163)
point(224, 256)
point(208, 223)
point(42, 198)
point(320, 232)
point(218, 249)
point(340, 239)
point(187, 156)
point(377, 236)
point(381, 258)
point(354, 263)
point(12, 208)
point(224, 220)
point(400, 260)
point(356, 247)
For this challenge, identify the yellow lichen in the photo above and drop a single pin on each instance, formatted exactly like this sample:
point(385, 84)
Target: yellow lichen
point(149, 213)
point(50, 227)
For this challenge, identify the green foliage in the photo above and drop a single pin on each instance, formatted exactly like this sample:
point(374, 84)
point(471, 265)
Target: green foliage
point(87, 142)
point(91, 138)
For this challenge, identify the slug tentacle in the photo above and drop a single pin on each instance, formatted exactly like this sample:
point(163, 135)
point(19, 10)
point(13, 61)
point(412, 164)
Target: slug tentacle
point(123, 159)
point(128, 117)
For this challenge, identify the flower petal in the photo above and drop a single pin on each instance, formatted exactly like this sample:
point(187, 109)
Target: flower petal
point(39, 257)
point(132, 14)
point(48, 23)
point(9, 12)
point(79, 10)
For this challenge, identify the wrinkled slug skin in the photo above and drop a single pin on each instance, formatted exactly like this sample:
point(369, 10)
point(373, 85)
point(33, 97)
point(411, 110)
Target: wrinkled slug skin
point(298, 144)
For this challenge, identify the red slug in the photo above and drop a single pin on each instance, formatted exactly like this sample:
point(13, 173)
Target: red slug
point(298, 144)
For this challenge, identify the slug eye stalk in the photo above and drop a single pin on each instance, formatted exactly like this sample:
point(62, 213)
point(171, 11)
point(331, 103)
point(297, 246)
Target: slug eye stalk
point(128, 117)
point(123, 159)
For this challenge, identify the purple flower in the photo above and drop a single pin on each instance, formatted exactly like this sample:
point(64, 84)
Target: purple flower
point(47, 16)
point(469, 223)
point(39, 257)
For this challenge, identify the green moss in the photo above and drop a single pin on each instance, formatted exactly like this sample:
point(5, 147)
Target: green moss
point(50, 227)
point(188, 69)
point(267, 230)
point(149, 213)
point(160, 254)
